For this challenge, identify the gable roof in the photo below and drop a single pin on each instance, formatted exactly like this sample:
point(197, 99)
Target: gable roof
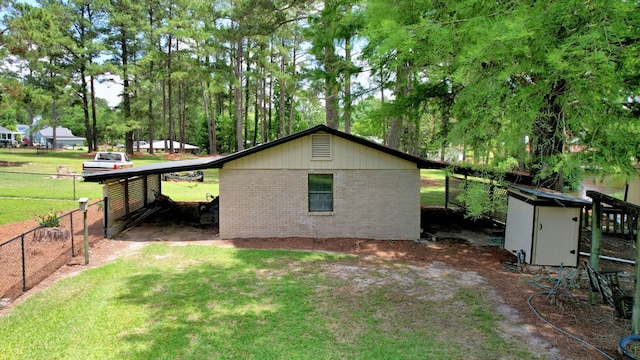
point(218, 162)
point(61, 133)
point(420, 162)
point(7, 131)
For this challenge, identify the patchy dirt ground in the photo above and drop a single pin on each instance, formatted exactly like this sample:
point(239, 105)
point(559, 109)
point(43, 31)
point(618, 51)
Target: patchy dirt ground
point(461, 248)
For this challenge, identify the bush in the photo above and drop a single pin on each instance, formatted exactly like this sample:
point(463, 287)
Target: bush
point(50, 219)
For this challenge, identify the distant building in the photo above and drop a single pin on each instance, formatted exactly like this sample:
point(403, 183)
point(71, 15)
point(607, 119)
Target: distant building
point(64, 137)
point(163, 145)
point(8, 137)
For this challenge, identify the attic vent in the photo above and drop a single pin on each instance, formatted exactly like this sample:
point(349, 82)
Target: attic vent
point(321, 147)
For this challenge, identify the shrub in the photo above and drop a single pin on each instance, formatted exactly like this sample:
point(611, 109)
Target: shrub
point(50, 219)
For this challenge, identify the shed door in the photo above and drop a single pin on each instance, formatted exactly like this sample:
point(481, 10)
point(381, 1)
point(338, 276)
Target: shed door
point(519, 231)
point(557, 236)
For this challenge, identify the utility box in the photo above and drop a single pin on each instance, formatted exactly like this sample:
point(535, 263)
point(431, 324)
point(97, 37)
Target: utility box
point(543, 227)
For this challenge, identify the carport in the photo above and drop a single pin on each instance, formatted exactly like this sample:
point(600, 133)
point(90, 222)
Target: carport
point(127, 192)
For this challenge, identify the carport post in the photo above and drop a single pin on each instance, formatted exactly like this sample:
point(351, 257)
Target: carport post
point(635, 315)
point(596, 239)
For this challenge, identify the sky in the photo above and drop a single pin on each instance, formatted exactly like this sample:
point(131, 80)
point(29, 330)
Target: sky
point(109, 91)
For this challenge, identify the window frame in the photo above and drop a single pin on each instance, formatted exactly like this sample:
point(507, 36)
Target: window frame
point(313, 207)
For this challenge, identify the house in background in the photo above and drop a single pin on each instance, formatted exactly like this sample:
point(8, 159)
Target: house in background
point(319, 183)
point(64, 137)
point(8, 138)
point(162, 145)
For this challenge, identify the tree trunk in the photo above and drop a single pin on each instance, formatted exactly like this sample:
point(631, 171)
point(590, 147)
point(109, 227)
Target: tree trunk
point(257, 112)
point(548, 139)
point(347, 84)
point(281, 96)
point(183, 118)
point(172, 135)
point(126, 98)
point(85, 107)
point(54, 125)
point(385, 126)
point(331, 88)
point(30, 114)
point(238, 95)
point(94, 116)
point(213, 141)
point(270, 97)
point(246, 96)
point(263, 92)
point(205, 106)
point(150, 121)
point(292, 93)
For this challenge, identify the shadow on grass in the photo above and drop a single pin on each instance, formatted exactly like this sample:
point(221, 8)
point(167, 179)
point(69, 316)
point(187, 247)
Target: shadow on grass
point(5, 163)
point(248, 305)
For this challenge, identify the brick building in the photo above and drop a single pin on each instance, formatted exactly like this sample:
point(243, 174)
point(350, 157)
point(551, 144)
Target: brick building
point(320, 183)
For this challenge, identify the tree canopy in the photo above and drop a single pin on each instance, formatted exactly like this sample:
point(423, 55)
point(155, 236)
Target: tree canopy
point(548, 87)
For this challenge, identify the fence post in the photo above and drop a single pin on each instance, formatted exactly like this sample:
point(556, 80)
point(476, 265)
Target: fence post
point(492, 212)
point(446, 192)
point(24, 268)
point(596, 239)
point(82, 202)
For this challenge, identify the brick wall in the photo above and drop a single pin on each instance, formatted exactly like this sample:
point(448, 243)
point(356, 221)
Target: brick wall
point(374, 204)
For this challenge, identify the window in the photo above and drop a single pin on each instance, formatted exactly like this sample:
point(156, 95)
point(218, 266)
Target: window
point(320, 192)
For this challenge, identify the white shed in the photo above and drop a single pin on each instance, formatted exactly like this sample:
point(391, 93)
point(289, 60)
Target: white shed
point(543, 227)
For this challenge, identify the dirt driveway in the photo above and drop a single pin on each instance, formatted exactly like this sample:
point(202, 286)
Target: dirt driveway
point(461, 251)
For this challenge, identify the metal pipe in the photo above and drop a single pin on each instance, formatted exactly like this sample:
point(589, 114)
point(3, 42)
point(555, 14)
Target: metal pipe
point(604, 257)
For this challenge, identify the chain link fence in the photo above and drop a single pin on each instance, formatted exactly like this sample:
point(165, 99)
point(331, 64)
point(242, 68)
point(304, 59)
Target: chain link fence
point(64, 185)
point(498, 196)
point(30, 257)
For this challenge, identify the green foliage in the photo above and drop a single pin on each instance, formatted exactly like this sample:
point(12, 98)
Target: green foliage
point(467, 74)
point(479, 199)
point(49, 219)
point(505, 165)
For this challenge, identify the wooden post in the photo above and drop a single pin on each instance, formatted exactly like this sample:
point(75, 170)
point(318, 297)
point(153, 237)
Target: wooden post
point(596, 239)
point(596, 236)
point(635, 317)
point(86, 238)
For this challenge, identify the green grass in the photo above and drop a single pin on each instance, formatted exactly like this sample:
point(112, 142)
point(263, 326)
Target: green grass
point(27, 188)
point(14, 210)
point(434, 193)
point(207, 302)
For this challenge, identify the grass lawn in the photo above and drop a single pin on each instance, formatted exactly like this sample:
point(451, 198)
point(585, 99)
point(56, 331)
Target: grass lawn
point(207, 302)
point(433, 194)
point(27, 188)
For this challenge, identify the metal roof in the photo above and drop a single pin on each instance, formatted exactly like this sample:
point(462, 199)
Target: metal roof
point(7, 131)
point(213, 162)
point(156, 168)
point(553, 196)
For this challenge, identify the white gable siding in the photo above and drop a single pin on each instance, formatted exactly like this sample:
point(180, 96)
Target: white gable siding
point(296, 154)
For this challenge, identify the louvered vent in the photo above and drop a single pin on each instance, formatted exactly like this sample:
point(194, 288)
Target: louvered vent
point(321, 147)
